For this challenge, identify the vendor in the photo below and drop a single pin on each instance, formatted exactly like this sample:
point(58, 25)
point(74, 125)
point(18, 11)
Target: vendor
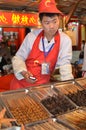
point(43, 50)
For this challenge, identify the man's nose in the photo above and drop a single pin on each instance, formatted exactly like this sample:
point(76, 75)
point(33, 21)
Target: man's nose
point(51, 25)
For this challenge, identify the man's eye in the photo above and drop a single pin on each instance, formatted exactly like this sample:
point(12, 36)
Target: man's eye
point(46, 22)
point(55, 21)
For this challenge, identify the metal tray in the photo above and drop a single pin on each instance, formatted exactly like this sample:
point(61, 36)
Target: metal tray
point(68, 87)
point(42, 91)
point(76, 119)
point(24, 107)
point(75, 92)
point(53, 100)
point(51, 124)
point(81, 82)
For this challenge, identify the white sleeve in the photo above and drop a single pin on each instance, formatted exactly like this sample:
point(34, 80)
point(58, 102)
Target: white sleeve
point(18, 61)
point(66, 72)
point(26, 46)
point(18, 66)
point(65, 53)
point(65, 57)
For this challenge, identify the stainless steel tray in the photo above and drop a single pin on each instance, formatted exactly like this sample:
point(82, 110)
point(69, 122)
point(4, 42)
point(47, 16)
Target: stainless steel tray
point(24, 107)
point(81, 82)
point(53, 100)
point(74, 91)
point(76, 119)
point(68, 87)
point(50, 124)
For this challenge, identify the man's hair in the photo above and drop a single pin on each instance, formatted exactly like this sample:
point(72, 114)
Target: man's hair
point(47, 14)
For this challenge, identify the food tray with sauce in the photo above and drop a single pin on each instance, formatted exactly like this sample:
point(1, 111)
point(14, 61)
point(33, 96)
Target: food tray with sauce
point(74, 92)
point(76, 118)
point(54, 101)
point(22, 106)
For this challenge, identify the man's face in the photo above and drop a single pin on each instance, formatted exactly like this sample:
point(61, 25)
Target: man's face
point(50, 24)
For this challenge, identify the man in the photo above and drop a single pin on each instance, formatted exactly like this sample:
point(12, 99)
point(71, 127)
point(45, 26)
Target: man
point(42, 51)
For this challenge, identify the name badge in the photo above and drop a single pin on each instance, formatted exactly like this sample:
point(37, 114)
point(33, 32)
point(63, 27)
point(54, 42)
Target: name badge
point(45, 68)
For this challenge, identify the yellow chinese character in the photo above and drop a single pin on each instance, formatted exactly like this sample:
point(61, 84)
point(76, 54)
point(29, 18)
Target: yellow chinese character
point(3, 19)
point(24, 19)
point(15, 19)
point(32, 20)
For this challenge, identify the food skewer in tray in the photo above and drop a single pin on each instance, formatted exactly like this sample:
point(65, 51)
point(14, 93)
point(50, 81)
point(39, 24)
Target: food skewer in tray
point(50, 124)
point(25, 109)
point(68, 88)
point(76, 119)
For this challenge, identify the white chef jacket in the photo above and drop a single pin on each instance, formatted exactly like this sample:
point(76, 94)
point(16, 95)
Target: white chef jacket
point(63, 60)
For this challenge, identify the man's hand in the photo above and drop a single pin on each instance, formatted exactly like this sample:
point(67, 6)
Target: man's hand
point(28, 76)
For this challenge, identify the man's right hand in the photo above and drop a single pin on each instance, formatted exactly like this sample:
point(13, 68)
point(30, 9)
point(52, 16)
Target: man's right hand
point(27, 75)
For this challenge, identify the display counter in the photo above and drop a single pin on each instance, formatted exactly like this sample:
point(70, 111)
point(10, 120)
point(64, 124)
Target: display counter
point(56, 106)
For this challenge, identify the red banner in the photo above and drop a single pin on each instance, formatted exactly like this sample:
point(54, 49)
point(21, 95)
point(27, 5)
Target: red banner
point(18, 19)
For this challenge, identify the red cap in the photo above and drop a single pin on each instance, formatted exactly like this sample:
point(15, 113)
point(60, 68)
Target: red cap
point(48, 6)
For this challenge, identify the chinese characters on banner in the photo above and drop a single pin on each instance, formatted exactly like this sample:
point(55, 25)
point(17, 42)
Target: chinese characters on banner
point(18, 19)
